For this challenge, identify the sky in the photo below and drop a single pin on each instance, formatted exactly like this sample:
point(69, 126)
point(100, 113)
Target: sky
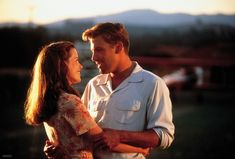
point(47, 11)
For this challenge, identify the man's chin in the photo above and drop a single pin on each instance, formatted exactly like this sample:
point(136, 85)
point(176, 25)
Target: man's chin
point(103, 71)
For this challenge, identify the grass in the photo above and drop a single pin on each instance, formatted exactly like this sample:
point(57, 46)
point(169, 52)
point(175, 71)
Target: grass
point(202, 131)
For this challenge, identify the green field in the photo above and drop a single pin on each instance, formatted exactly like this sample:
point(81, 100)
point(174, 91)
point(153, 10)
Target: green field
point(201, 132)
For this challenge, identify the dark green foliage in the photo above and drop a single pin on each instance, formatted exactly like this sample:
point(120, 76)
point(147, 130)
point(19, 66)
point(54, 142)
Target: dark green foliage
point(20, 46)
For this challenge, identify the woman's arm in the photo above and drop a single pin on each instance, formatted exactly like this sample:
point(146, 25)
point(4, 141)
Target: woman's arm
point(124, 148)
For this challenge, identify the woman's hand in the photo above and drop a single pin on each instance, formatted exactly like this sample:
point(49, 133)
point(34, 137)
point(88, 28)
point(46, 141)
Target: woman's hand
point(53, 152)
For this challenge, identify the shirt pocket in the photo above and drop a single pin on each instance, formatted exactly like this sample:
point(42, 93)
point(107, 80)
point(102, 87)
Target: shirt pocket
point(126, 113)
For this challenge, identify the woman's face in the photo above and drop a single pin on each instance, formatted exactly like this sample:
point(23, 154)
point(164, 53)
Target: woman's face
point(74, 67)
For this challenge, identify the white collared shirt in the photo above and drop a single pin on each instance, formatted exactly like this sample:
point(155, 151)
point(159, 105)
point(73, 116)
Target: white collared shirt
point(140, 102)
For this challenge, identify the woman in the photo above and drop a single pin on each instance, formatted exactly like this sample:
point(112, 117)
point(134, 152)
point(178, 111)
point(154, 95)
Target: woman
point(52, 101)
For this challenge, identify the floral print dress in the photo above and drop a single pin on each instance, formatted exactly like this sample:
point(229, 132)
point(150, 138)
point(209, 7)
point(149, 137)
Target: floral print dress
point(66, 127)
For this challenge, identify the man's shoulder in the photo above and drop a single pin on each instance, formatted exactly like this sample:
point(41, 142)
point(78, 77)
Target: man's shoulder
point(151, 78)
point(148, 75)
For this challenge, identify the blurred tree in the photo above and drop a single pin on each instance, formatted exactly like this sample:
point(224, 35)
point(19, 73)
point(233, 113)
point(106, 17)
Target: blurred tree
point(20, 46)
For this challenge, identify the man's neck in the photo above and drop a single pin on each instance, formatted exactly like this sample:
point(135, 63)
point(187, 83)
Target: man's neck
point(119, 77)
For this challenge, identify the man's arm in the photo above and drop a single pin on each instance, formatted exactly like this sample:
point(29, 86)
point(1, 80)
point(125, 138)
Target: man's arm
point(110, 138)
point(147, 138)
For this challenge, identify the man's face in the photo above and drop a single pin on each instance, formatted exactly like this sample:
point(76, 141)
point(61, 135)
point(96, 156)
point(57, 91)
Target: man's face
point(103, 54)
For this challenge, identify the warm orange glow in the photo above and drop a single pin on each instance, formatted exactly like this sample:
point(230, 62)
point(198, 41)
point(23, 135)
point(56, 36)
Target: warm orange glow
point(44, 11)
point(35, 92)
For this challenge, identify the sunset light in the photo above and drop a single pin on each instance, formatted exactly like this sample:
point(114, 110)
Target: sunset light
point(44, 11)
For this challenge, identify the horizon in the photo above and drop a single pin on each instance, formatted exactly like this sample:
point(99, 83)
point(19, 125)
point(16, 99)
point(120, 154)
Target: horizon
point(45, 12)
point(77, 18)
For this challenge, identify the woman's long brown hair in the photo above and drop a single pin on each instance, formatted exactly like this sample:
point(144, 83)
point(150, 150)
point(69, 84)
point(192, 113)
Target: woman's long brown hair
point(48, 81)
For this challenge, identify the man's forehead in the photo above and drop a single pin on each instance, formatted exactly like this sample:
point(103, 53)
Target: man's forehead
point(97, 38)
point(99, 41)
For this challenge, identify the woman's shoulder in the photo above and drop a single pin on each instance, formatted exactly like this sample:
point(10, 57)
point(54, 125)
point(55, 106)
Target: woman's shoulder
point(68, 95)
point(67, 99)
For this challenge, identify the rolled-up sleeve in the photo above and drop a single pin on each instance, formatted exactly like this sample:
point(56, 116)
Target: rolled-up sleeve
point(159, 114)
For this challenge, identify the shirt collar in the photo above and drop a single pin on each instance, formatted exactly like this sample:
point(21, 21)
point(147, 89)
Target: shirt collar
point(136, 76)
point(103, 79)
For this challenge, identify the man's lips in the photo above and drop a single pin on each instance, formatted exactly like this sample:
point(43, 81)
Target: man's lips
point(98, 65)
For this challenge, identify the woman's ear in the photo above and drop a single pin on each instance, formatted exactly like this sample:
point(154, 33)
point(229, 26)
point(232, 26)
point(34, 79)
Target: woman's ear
point(119, 47)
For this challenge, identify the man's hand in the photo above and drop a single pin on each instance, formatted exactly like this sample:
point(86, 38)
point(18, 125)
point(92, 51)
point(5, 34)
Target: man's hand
point(51, 151)
point(107, 140)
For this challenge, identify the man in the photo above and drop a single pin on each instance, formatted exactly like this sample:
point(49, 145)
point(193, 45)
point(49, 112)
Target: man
point(125, 96)
point(131, 101)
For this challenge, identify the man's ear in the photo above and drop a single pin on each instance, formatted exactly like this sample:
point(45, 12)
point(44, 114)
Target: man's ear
point(119, 47)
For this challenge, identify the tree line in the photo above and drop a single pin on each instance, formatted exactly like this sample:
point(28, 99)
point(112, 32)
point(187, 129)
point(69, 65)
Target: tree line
point(20, 45)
